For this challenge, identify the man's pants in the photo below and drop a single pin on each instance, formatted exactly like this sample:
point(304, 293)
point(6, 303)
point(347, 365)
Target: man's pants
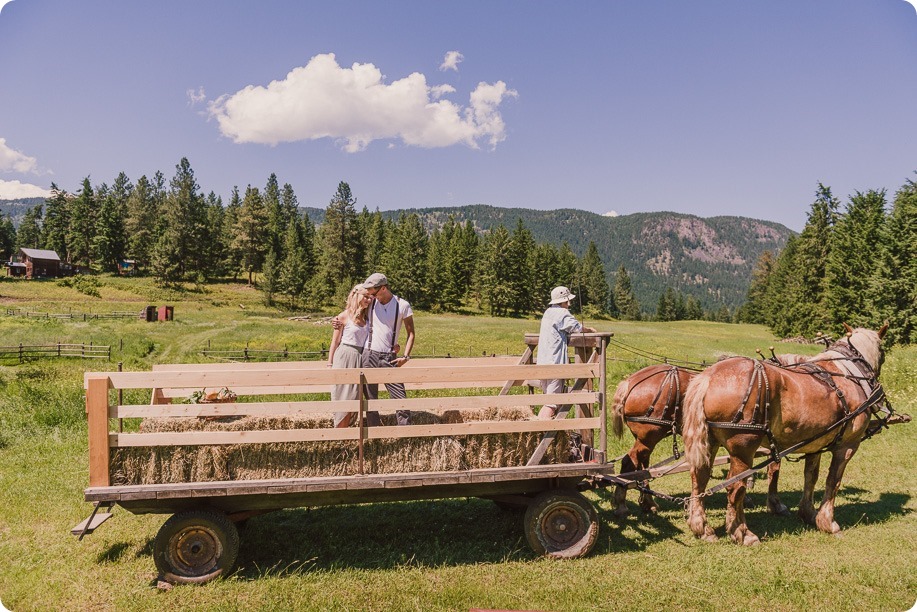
point(374, 359)
point(551, 385)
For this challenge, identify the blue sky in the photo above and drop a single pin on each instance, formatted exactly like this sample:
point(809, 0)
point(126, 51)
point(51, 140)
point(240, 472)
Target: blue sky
point(708, 107)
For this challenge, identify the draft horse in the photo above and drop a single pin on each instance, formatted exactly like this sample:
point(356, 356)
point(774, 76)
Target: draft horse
point(823, 404)
point(649, 402)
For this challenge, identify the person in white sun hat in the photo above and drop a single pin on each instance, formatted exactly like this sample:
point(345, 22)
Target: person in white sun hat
point(553, 341)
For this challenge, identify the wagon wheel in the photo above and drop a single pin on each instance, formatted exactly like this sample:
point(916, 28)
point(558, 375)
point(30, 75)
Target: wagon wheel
point(561, 524)
point(195, 547)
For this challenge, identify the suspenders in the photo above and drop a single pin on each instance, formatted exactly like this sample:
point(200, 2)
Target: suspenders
point(395, 331)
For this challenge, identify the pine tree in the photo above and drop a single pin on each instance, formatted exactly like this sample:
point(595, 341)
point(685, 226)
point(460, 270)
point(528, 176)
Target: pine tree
point(29, 234)
point(232, 261)
point(781, 288)
point(463, 259)
point(372, 228)
point(808, 301)
point(82, 224)
point(276, 224)
point(756, 306)
point(693, 309)
point(405, 260)
point(594, 282)
point(897, 280)
point(109, 240)
point(854, 260)
point(56, 222)
point(494, 271)
point(298, 264)
point(544, 262)
point(339, 243)
point(250, 236)
point(625, 300)
point(7, 238)
point(522, 244)
point(187, 211)
point(216, 245)
point(665, 309)
point(140, 222)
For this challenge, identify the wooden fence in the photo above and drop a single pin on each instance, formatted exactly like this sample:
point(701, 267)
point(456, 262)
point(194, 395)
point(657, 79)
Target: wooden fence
point(79, 316)
point(38, 351)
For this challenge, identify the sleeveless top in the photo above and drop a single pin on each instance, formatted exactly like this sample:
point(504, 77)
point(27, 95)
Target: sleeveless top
point(355, 335)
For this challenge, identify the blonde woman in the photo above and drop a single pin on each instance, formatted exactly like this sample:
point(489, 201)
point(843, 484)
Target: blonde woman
point(347, 344)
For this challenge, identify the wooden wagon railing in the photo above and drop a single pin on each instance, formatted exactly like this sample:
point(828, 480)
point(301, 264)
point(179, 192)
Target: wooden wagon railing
point(174, 381)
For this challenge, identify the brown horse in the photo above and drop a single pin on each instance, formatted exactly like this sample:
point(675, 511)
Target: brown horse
point(649, 402)
point(813, 406)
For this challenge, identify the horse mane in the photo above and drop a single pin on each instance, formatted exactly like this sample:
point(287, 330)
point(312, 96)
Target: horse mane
point(866, 341)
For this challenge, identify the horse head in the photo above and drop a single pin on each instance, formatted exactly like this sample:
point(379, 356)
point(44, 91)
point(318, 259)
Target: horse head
point(867, 343)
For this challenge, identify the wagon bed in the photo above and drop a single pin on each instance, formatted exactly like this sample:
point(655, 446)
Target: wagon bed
point(200, 540)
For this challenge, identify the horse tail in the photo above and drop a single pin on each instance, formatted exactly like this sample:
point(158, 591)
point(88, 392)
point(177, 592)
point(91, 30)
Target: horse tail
point(617, 408)
point(694, 431)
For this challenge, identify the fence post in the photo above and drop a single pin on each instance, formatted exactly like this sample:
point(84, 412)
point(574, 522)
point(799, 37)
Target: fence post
point(97, 414)
point(20, 352)
point(120, 400)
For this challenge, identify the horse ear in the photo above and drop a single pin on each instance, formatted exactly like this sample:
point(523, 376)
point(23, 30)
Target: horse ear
point(848, 329)
point(883, 329)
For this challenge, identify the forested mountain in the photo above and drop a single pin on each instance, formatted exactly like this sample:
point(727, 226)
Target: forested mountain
point(16, 209)
point(711, 259)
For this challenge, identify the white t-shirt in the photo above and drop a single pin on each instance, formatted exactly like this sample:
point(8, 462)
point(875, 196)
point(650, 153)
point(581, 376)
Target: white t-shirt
point(385, 325)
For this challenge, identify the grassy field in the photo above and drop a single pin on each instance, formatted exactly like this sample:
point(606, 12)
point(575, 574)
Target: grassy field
point(436, 555)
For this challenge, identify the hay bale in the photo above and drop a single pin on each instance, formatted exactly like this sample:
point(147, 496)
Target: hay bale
point(180, 464)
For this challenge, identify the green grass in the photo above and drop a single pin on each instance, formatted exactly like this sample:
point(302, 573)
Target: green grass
point(427, 555)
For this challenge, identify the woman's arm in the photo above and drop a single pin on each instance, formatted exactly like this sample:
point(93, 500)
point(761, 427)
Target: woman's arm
point(336, 334)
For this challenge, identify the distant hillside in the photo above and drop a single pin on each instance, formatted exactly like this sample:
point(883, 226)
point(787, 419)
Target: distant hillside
point(711, 259)
point(16, 209)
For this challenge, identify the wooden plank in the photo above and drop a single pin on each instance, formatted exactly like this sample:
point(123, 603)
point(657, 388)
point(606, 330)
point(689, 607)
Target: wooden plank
point(483, 427)
point(330, 376)
point(185, 392)
point(97, 415)
point(471, 402)
point(576, 340)
point(270, 436)
point(198, 438)
point(321, 364)
point(229, 409)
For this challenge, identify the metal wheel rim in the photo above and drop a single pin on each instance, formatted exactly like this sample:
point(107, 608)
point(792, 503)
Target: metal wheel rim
point(195, 551)
point(561, 526)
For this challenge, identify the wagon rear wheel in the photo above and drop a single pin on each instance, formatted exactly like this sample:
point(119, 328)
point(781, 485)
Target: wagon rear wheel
point(195, 547)
point(561, 524)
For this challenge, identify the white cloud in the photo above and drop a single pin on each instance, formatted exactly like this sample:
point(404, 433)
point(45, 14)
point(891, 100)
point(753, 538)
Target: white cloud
point(912, 3)
point(451, 61)
point(611, 213)
point(14, 161)
point(14, 190)
point(195, 97)
point(4, 3)
point(355, 106)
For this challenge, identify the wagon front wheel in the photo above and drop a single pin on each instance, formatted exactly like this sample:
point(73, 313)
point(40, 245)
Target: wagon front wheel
point(561, 524)
point(195, 547)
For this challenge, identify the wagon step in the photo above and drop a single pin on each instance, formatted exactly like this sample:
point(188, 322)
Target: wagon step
point(95, 519)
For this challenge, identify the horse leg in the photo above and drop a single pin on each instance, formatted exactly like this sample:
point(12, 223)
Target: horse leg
point(736, 527)
point(647, 502)
point(806, 510)
point(774, 505)
point(697, 516)
point(824, 520)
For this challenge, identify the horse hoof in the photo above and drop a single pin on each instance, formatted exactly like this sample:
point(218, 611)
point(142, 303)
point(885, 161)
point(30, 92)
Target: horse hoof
point(751, 539)
point(621, 512)
point(709, 537)
point(779, 510)
point(653, 510)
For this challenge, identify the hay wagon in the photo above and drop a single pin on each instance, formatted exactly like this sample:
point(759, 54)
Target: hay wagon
point(552, 461)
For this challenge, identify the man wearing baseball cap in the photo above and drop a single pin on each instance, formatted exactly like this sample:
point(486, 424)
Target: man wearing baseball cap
point(386, 317)
point(553, 341)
